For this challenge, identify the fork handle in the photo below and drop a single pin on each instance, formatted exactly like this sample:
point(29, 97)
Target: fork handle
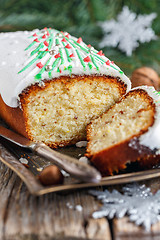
point(75, 168)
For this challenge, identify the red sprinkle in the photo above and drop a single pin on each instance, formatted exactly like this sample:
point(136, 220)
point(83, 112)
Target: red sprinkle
point(47, 33)
point(89, 45)
point(36, 40)
point(44, 36)
point(45, 28)
point(47, 49)
point(67, 36)
point(79, 40)
point(40, 65)
point(57, 55)
point(35, 35)
point(46, 43)
point(72, 55)
point(68, 46)
point(112, 62)
point(87, 59)
point(64, 40)
point(100, 53)
point(108, 62)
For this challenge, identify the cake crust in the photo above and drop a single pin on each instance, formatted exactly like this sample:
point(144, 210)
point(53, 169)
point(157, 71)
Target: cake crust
point(13, 117)
point(116, 157)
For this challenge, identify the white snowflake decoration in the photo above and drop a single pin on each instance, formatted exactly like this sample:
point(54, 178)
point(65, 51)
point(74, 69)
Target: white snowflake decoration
point(138, 202)
point(128, 31)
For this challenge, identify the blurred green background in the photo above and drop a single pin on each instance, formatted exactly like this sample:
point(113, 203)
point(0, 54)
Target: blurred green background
point(80, 18)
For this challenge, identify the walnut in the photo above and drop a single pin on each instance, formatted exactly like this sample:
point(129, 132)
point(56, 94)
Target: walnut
point(145, 76)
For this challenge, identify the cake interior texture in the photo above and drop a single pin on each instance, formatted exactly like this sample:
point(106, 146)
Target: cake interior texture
point(58, 112)
point(129, 118)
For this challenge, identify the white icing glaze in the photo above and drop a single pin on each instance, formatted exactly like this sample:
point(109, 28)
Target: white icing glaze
point(151, 138)
point(14, 57)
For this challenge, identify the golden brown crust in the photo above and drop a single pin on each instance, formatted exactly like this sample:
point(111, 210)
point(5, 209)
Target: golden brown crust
point(67, 79)
point(13, 117)
point(18, 119)
point(116, 157)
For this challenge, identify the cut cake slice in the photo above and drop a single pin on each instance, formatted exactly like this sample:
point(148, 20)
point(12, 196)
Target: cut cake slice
point(127, 132)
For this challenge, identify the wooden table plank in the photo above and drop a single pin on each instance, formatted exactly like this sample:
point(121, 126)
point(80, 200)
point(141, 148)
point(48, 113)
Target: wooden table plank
point(123, 229)
point(23, 216)
point(54, 216)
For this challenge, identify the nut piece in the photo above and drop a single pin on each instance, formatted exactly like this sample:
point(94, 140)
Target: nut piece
point(51, 175)
point(145, 76)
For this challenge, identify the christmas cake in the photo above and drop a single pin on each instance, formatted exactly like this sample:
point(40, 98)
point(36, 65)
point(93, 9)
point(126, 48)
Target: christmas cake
point(127, 132)
point(52, 85)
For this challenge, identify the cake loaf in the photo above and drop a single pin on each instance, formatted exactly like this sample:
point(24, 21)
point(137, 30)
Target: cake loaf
point(127, 132)
point(52, 85)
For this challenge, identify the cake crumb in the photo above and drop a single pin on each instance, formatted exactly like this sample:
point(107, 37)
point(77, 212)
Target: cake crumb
point(23, 160)
point(81, 144)
point(78, 208)
point(69, 205)
point(39, 169)
point(84, 160)
point(64, 173)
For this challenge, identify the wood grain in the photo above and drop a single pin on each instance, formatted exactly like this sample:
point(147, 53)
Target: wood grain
point(52, 216)
point(123, 229)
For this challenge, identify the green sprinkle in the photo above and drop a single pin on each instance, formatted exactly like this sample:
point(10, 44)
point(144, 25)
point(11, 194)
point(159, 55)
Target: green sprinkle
point(94, 62)
point(44, 67)
point(41, 45)
point(67, 53)
point(84, 49)
point(57, 41)
point(30, 45)
point(81, 59)
point(31, 62)
point(102, 61)
point(43, 53)
point(99, 59)
point(50, 74)
point(121, 72)
point(70, 68)
point(38, 76)
point(60, 51)
point(90, 65)
point(50, 42)
point(53, 66)
point(62, 58)
point(58, 70)
point(55, 63)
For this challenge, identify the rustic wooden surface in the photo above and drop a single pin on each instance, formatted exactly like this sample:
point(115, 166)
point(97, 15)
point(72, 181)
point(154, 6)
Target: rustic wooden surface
point(26, 217)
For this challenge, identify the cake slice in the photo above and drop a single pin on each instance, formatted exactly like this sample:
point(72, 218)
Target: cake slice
point(127, 132)
point(52, 85)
